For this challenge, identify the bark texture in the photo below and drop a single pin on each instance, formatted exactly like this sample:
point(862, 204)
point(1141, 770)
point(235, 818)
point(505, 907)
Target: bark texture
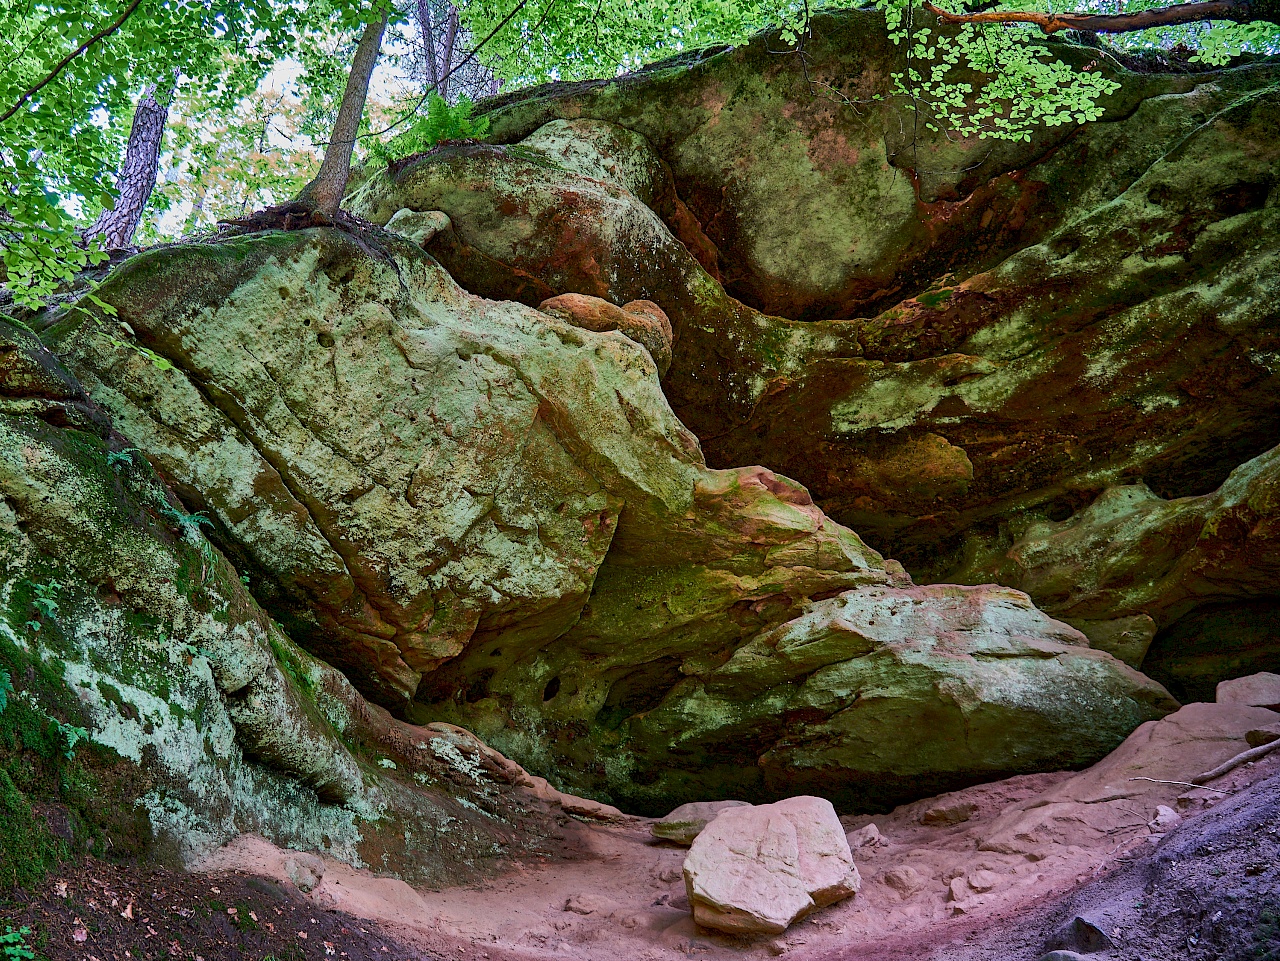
point(138, 173)
point(324, 193)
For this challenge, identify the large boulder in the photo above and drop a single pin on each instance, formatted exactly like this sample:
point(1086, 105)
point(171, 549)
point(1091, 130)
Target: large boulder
point(686, 822)
point(882, 693)
point(492, 518)
point(757, 870)
point(411, 471)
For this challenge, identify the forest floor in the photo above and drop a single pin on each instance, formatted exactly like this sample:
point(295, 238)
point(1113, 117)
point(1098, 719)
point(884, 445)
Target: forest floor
point(95, 910)
point(1121, 862)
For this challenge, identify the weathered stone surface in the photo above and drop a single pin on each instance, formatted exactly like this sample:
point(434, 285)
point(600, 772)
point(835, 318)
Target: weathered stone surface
point(420, 227)
point(904, 879)
point(755, 870)
point(1018, 328)
point(687, 821)
point(1256, 690)
point(496, 513)
point(990, 678)
point(157, 648)
point(1123, 790)
point(641, 320)
point(415, 470)
point(1132, 564)
point(948, 811)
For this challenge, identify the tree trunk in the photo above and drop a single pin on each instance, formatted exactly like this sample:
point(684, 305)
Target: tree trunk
point(324, 194)
point(137, 174)
point(451, 37)
point(428, 29)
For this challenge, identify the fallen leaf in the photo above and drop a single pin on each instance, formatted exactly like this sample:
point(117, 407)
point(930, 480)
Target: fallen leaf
point(60, 889)
point(128, 911)
point(79, 934)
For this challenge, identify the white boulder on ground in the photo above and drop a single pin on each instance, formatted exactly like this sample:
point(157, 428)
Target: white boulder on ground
point(757, 869)
point(686, 822)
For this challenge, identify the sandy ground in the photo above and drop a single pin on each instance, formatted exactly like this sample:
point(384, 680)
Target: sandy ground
point(934, 872)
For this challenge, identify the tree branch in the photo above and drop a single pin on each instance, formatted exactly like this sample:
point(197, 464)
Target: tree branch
point(52, 75)
point(1236, 11)
point(1244, 757)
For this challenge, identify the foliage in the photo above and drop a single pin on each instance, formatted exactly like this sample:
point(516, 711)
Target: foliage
point(61, 140)
point(224, 161)
point(13, 944)
point(442, 121)
point(158, 361)
point(46, 598)
point(6, 688)
point(236, 142)
point(987, 81)
point(121, 458)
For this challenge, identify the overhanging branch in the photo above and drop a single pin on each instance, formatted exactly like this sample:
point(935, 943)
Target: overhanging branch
point(1235, 11)
point(49, 78)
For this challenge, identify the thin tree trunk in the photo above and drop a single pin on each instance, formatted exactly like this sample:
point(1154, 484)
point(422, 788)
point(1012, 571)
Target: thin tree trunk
point(451, 38)
point(138, 173)
point(428, 29)
point(324, 193)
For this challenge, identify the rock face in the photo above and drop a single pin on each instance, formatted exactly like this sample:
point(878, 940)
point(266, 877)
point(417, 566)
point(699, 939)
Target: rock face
point(202, 718)
point(1132, 564)
point(945, 341)
point(756, 870)
point(489, 517)
point(937, 685)
point(1256, 690)
point(641, 320)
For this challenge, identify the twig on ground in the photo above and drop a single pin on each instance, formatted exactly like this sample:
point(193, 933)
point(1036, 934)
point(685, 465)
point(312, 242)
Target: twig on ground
point(1156, 780)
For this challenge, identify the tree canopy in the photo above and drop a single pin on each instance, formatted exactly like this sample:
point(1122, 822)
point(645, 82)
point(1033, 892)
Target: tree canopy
point(75, 70)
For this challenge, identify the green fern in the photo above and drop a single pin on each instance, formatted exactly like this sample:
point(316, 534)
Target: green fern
point(440, 122)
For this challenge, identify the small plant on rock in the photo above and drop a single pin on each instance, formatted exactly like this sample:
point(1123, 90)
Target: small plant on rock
point(45, 602)
point(121, 458)
point(441, 122)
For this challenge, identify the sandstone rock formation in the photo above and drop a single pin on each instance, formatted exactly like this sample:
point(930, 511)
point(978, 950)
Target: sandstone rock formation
point(756, 870)
point(1133, 563)
point(204, 719)
point(492, 518)
point(1256, 690)
point(945, 341)
point(641, 320)
point(687, 821)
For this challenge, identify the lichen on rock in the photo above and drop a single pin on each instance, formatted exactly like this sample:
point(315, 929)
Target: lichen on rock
point(492, 518)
